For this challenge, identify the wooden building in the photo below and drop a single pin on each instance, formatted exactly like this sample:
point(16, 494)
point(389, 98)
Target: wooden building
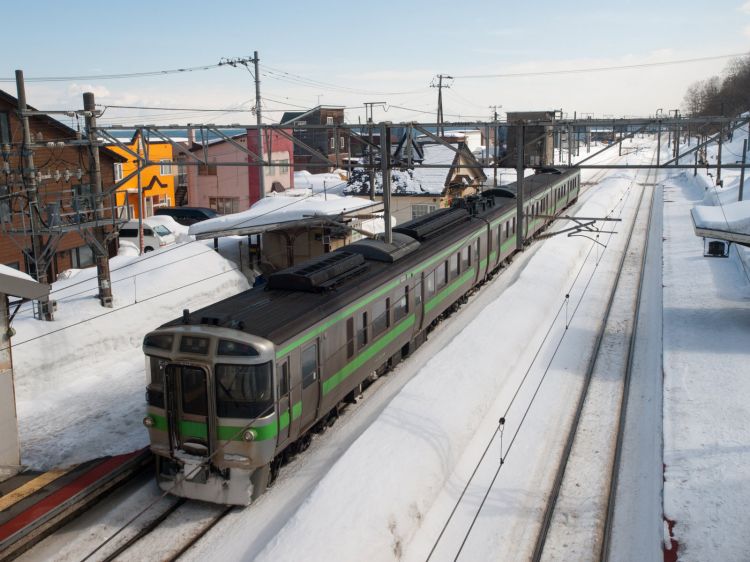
point(65, 192)
point(329, 141)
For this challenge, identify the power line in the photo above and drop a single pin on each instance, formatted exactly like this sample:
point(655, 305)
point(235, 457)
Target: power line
point(599, 68)
point(118, 76)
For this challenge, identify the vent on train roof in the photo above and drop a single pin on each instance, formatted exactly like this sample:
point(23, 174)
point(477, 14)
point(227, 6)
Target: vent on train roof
point(377, 249)
point(432, 224)
point(318, 274)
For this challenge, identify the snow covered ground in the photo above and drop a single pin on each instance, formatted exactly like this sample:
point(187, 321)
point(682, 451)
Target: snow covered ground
point(380, 484)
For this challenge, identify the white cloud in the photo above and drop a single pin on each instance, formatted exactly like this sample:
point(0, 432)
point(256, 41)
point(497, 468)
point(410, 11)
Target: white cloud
point(746, 29)
point(78, 89)
point(746, 9)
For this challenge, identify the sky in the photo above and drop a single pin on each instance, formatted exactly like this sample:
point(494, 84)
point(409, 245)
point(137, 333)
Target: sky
point(347, 53)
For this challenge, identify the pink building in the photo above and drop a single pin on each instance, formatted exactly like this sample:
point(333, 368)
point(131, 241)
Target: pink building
point(282, 154)
point(230, 189)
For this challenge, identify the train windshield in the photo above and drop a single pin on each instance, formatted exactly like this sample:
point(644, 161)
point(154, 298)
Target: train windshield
point(244, 391)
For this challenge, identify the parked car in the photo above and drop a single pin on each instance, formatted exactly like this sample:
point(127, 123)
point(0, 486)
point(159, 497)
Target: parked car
point(155, 236)
point(187, 215)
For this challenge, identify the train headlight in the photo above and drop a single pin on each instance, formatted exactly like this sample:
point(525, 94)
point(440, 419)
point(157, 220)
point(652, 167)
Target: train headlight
point(148, 421)
point(248, 435)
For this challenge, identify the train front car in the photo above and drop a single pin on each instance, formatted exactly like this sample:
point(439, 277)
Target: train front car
point(211, 417)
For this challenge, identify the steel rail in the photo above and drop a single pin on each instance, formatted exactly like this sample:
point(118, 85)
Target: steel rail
point(557, 484)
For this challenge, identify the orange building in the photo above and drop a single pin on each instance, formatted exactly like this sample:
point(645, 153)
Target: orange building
point(157, 181)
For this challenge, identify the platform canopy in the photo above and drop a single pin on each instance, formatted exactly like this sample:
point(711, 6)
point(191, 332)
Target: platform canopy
point(284, 211)
point(17, 284)
point(729, 222)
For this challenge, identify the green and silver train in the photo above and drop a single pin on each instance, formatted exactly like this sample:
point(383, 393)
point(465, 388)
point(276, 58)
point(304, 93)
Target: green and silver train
point(236, 387)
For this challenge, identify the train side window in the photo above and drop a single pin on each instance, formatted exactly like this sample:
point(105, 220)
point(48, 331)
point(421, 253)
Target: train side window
point(465, 258)
point(401, 309)
point(282, 370)
point(507, 230)
point(362, 334)
point(417, 297)
point(442, 275)
point(429, 282)
point(513, 225)
point(379, 317)
point(309, 365)
point(474, 251)
point(349, 337)
point(453, 261)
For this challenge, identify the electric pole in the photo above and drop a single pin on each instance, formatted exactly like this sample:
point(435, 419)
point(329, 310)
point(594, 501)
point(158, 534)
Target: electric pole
point(369, 105)
point(258, 120)
point(440, 86)
point(29, 178)
point(494, 140)
point(258, 115)
point(101, 255)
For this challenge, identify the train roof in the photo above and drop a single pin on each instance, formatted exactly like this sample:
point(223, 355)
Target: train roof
point(296, 298)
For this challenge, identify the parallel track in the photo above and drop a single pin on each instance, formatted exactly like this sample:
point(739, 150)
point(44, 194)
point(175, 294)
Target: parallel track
point(612, 487)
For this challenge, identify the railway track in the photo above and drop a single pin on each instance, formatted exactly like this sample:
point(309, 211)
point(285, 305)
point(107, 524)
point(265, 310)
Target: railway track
point(573, 527)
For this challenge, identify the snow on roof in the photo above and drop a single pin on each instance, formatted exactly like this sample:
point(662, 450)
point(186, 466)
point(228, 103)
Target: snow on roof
point(732, 216)
point(419, 181)
point(730, 221)
point(276, 211)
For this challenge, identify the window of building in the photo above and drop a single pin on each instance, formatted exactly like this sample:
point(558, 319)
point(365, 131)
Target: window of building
point(283, 166)
point(332, 143)
point(329, 120)
point(342, 143)
point(82, 257)
point(118, 171)
point(4, 128)
point(224, 205)
point(209, 170)
point(420, 210)
point(165, 168)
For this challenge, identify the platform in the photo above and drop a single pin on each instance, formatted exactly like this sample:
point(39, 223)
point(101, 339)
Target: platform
point(32, 505)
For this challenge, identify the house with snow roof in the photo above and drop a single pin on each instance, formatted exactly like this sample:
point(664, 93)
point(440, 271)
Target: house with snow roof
point(452, 172)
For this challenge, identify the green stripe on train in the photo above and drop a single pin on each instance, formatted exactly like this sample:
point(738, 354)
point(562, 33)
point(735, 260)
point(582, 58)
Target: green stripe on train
point(369, 353)
point(432, 303)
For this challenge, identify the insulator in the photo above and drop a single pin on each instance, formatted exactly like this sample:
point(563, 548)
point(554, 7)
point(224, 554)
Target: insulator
point(56, 175)
point(66, 175)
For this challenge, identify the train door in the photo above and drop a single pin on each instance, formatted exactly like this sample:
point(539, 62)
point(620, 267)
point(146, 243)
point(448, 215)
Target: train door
point(187, 406)
point(284, 400)
point(310, 368)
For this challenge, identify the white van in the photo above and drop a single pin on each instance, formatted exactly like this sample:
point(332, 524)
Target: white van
point(155, 236)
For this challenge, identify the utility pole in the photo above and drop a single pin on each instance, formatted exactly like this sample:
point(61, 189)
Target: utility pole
point(369, 105)
point(494, 133)
point(742, 172)
point(29, 178)
point(519, 184)
point(385, 157)
point(258, 113)
point(101, 256)
point(259, 121)
point(440, 86)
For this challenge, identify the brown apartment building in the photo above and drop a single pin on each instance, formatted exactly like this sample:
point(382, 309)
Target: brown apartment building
point(65, 193)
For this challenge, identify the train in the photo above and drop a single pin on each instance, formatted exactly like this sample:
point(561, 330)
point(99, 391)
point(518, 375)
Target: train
point(236, 388)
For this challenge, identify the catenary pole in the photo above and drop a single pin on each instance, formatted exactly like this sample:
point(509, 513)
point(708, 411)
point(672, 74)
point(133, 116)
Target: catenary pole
point(519, 183)
point(101, 256)
point(259, 121)
point(29, 178)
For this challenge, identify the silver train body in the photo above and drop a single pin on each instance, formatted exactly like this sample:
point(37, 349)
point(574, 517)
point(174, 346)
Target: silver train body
point(238, 386)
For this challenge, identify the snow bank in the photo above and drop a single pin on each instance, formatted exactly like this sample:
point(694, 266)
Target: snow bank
point(80, 379)
point(734, 217)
